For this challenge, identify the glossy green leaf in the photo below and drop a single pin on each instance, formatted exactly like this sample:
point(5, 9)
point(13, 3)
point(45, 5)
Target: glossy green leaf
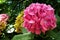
point(26, 36)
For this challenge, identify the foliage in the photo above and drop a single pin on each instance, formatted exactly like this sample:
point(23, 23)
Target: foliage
point(25, 36)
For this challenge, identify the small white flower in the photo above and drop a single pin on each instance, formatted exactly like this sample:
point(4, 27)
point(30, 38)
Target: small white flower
point(10, 30)
point(11, 26)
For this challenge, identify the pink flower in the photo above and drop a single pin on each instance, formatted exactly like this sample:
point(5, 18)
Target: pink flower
point(4, 17)
point(39, 18)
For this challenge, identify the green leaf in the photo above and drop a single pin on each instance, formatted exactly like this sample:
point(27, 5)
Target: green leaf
point(26, 36)
point(52, 34)
point(58, 18)
point(58, 36)
point(58, 1)
point(24, 30)
point(2, 1)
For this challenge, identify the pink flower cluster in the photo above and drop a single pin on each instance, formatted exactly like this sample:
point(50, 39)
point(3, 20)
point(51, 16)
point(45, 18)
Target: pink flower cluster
point(4, 17)
point(39, 18)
